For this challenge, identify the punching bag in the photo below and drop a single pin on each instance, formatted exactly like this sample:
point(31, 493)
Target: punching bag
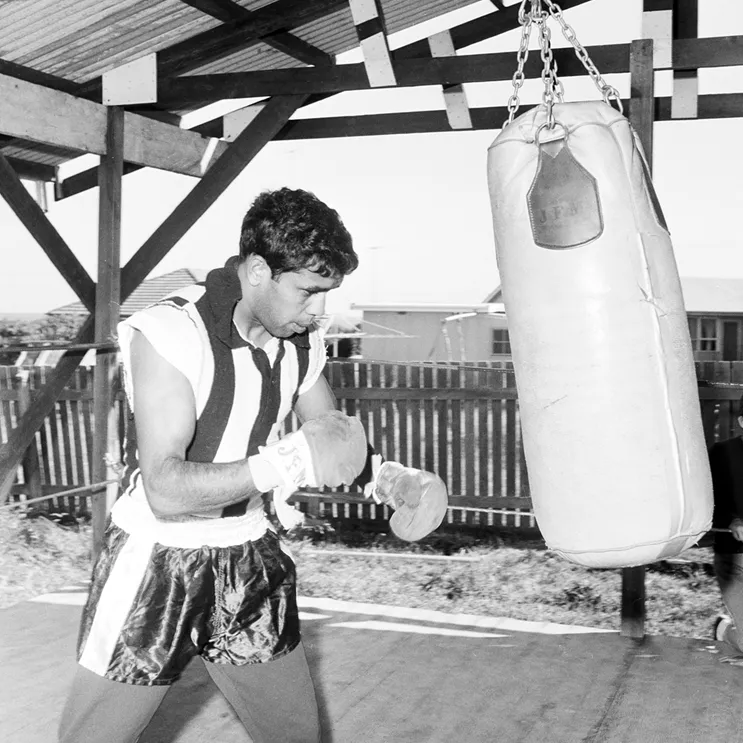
point(608, 397)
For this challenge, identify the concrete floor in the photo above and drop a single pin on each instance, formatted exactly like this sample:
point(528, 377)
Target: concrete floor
point(392, 675)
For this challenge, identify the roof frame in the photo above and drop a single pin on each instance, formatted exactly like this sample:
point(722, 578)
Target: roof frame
point(463, 35)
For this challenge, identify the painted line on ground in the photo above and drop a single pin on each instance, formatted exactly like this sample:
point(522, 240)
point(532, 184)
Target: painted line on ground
point(440, 617)
point(69, 597)
point(417, 629)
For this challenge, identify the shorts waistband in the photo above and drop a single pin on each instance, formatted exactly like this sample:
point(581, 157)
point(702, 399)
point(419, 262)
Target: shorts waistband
point(136, 517)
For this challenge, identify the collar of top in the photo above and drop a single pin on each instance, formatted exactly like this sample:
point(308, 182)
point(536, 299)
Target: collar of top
point(223, 292)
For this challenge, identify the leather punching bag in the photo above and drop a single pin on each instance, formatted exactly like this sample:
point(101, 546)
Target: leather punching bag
point(608, 395)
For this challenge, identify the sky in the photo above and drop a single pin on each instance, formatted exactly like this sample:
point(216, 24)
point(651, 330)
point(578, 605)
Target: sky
point(417, 206)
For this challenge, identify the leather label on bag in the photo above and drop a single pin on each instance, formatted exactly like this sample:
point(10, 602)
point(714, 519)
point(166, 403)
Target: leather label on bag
point(564, 204)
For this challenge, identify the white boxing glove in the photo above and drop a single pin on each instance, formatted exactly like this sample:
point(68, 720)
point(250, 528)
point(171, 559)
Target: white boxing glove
point(326, 451)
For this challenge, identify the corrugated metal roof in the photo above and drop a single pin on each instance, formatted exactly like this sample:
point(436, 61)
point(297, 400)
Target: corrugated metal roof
point(78, 40)
point(147, 293)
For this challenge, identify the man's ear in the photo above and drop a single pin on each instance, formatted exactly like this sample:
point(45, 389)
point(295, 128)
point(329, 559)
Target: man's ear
point(256, 270)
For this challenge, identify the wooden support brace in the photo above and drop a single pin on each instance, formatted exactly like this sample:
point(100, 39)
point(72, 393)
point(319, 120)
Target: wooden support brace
point(370, 29)
point(43, 231)
point(455, 98)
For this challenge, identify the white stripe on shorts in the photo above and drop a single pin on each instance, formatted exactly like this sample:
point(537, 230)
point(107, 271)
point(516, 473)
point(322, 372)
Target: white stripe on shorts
point(115, 602)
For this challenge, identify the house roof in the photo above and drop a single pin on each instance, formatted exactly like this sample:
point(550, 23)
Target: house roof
point(146, 293)
point(701, 295)
point(449, 308)
point(713, 296)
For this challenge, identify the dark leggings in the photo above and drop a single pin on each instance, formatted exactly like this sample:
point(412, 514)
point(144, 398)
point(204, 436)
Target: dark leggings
point(275, 702)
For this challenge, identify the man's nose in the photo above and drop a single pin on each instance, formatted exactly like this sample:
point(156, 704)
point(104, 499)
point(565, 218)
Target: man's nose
point(317, 305)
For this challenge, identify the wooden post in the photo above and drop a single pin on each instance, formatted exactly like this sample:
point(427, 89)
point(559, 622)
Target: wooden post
point(31, 472)
point(641, 116)
point(107, 307)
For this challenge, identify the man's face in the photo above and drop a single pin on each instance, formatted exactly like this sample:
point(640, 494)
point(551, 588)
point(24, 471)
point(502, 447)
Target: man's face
point(290, 303)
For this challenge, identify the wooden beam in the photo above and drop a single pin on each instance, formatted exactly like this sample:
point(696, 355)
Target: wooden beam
point(31, 171)
point(409, 73)
point(642, 94)
point(450, 70)
point(223, 10)
point(269, 121)
point(107, 310)
point(84, 180)
point(297, 48)
point(719, 106)
point(40, 114)
point(43, 231)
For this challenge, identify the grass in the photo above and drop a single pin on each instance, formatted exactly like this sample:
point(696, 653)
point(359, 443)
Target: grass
point(503, 576)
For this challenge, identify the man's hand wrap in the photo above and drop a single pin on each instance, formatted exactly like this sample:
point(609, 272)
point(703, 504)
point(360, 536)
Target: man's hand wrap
point(420, 498)
point(326, 451)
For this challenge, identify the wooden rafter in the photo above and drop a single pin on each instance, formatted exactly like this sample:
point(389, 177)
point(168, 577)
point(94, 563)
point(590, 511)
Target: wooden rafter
point(229, 11)
point(210, 46)
point(33, 171)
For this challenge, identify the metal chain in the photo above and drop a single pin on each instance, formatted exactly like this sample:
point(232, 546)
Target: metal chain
point(553, 90)
point(525, 20)
point(608, 92)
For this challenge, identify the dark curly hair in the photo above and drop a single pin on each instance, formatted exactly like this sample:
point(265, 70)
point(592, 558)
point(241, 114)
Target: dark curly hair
point(292, 230)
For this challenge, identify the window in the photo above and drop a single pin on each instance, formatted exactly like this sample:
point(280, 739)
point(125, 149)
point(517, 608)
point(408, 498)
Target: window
point(707, 340)
point(501, 342)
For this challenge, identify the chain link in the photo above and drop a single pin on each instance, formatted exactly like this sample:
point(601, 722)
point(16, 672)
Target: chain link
point(608, 92)
point(518, 77)
point(553, 90)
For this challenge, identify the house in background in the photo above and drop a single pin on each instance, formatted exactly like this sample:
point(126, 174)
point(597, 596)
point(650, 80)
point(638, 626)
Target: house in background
point(715, 311)
point(147, 293)
point(434, 332)
point(479, 332)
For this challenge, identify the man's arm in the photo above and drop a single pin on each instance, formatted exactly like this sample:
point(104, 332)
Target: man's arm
point(319, 400)
point(165, 419)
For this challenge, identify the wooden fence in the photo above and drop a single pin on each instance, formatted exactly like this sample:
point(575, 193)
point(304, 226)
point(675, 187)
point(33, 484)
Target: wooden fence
point(460, 420)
